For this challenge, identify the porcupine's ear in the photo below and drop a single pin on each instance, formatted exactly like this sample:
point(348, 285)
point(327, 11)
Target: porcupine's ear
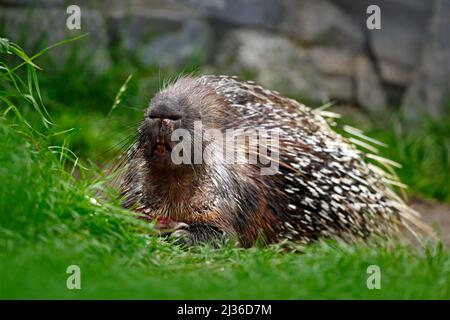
point(410, 218)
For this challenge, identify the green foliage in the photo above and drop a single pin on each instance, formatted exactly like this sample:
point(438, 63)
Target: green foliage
point(424, 153)
point(162, 271)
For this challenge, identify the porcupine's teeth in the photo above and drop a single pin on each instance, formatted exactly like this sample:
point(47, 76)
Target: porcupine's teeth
point(160, 150)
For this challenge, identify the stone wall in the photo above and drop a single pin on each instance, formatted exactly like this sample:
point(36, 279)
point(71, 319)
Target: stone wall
point(317, 49)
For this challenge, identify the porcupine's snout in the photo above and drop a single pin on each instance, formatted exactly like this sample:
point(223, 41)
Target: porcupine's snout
point(161, 121)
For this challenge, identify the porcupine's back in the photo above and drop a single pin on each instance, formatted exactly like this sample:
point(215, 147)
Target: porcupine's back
point(325, 186)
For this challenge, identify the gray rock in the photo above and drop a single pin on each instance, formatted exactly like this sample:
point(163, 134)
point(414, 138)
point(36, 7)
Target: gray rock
point(36, 3)
point(333, 61)
point(36, 29)
point(122, 9)
point(281, 64)
point(320, 22)
point(164, 38)
point(368, 90)
point(431, 85)
point(397, 46)
point(397, 50)
point(251, 13)
point(265, 14)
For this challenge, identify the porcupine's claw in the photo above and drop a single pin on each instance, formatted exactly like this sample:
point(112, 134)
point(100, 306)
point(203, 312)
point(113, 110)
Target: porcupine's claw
point(196, 234)
point(181, 233)
point(166, 226)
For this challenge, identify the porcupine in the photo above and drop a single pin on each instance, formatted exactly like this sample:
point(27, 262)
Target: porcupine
point(324, 187)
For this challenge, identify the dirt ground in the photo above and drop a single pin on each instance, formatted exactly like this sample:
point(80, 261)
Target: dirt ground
point(436, 215)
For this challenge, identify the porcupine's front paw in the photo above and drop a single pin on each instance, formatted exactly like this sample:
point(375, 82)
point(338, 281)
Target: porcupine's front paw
point(181, 234)
point(195, 234)
point(178, 231)
point(167, 226)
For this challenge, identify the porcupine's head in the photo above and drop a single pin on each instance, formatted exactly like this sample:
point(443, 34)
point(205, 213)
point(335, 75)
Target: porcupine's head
point(171, 136)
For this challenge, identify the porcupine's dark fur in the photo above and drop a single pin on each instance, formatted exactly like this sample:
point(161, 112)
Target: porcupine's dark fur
point(324, 188)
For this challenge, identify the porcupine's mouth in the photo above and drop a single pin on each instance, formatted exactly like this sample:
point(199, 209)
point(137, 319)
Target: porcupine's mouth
point(162, 149)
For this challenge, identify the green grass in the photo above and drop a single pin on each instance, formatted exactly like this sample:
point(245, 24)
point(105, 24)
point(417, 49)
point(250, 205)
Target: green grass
point(423, 152)
point(156, 270)
point(48, 220)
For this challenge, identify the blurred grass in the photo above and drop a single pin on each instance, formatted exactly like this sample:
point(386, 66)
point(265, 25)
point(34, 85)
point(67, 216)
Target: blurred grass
point(48, 219)
point(424, 153)
point(160, 271)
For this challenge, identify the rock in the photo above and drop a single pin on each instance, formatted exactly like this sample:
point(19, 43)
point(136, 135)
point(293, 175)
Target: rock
point(122, 9)
point(320, 22)
point(431, 85)
point(318, 72)
point(249, 13)
point(266, 14)
point(397, 51)
point(36, 3)
point(281, 64)
point(32, 32)
point(368, 90)
point(332, 60)
point(397, 46)
point(163, 38)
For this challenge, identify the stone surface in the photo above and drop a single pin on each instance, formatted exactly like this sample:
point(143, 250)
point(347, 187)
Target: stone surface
point(397, 46)
point(249, 13)
point(36, 3)
point(279, 63)
point(320, 22)
point(431, 85)
point(162, 38)
point(121, 9)
point(368, 90)
point(397, 51)
point(320, 49)
point(333, 61)
point(39, 28)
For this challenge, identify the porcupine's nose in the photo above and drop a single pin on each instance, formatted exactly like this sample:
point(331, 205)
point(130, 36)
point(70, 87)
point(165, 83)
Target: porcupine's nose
point(165, 119)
